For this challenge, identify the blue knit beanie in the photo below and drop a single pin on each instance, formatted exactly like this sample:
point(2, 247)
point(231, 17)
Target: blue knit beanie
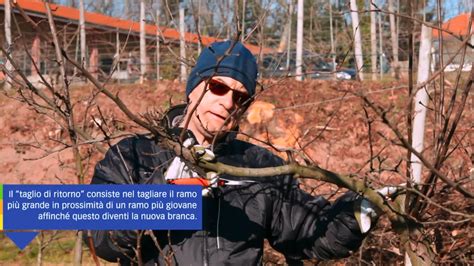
point(215, 60)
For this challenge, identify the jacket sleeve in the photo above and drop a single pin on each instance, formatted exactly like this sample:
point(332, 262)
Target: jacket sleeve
point(121, 165)
point(300, 225)
point(305, 227)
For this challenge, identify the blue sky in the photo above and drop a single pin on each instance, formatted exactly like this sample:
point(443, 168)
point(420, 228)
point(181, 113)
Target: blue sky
point(453, 8)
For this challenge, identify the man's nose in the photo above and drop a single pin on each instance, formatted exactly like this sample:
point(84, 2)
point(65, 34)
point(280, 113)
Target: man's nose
point(227, 100)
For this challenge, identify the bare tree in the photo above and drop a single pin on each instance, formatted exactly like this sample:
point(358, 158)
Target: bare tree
point(72, 3)
point(82, 25)
point(284, 38)
point(8, 38)
point(182, 43)
point(381, 52)
point(126, 7)
point(419, 115)
point(142, 42)
point(158, 13)
point(69, 121)
point(331, 33)
point(299, 41)
point(43, 242)
point(288, 47)
point(373, 41)
point(394, 40)
point(243, 20)
point(357, 39)
point(198, 25)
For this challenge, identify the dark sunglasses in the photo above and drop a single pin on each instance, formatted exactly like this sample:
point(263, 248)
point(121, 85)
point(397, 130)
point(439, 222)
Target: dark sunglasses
point(221, 89)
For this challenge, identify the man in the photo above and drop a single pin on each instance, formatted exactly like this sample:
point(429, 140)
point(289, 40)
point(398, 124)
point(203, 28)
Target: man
point(239, 213)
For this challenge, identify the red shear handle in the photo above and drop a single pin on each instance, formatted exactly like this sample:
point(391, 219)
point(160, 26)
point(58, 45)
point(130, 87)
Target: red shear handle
point(193, 181)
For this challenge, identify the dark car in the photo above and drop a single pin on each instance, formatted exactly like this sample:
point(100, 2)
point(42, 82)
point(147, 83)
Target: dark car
point(276, 66)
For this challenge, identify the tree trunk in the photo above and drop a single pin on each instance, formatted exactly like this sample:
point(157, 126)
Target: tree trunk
point(299, 42)
point(359, 61)
point(243, 21)
point(311, 40)
point(261, 31)
point(158, 43)
point(70, 123)
point(284, 39)
point(226, 8)
point(126, 7)
point(373, 41)
point(94, 62)
point(182, 43)
point(39, 257)
point(78, 249)
point(82, 26)
point(420, 103)
point(331, 32)
point(8, 38)
point(72, 3)
point(117, 54)
point(418, 251)
point(288, 46)
point(198, 25)
point(394, 39)
point(117, 46)
point(142, 42)
point(381, 54)
point(36, 56)
point(69, 119)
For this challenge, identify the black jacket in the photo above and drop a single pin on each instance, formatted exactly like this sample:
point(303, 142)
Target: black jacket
point(237, 218)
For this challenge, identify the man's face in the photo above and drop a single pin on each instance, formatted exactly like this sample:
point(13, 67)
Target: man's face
point(218, 110)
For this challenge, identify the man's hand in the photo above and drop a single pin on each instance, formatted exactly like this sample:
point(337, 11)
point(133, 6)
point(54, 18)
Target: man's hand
point(365, 212)
point(200, 151)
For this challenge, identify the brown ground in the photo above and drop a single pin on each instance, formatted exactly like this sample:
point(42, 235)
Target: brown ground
point(333, 132)
point(337, 129)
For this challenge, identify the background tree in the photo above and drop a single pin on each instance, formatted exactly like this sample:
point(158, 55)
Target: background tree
point(356, 28)
point(373, 41)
